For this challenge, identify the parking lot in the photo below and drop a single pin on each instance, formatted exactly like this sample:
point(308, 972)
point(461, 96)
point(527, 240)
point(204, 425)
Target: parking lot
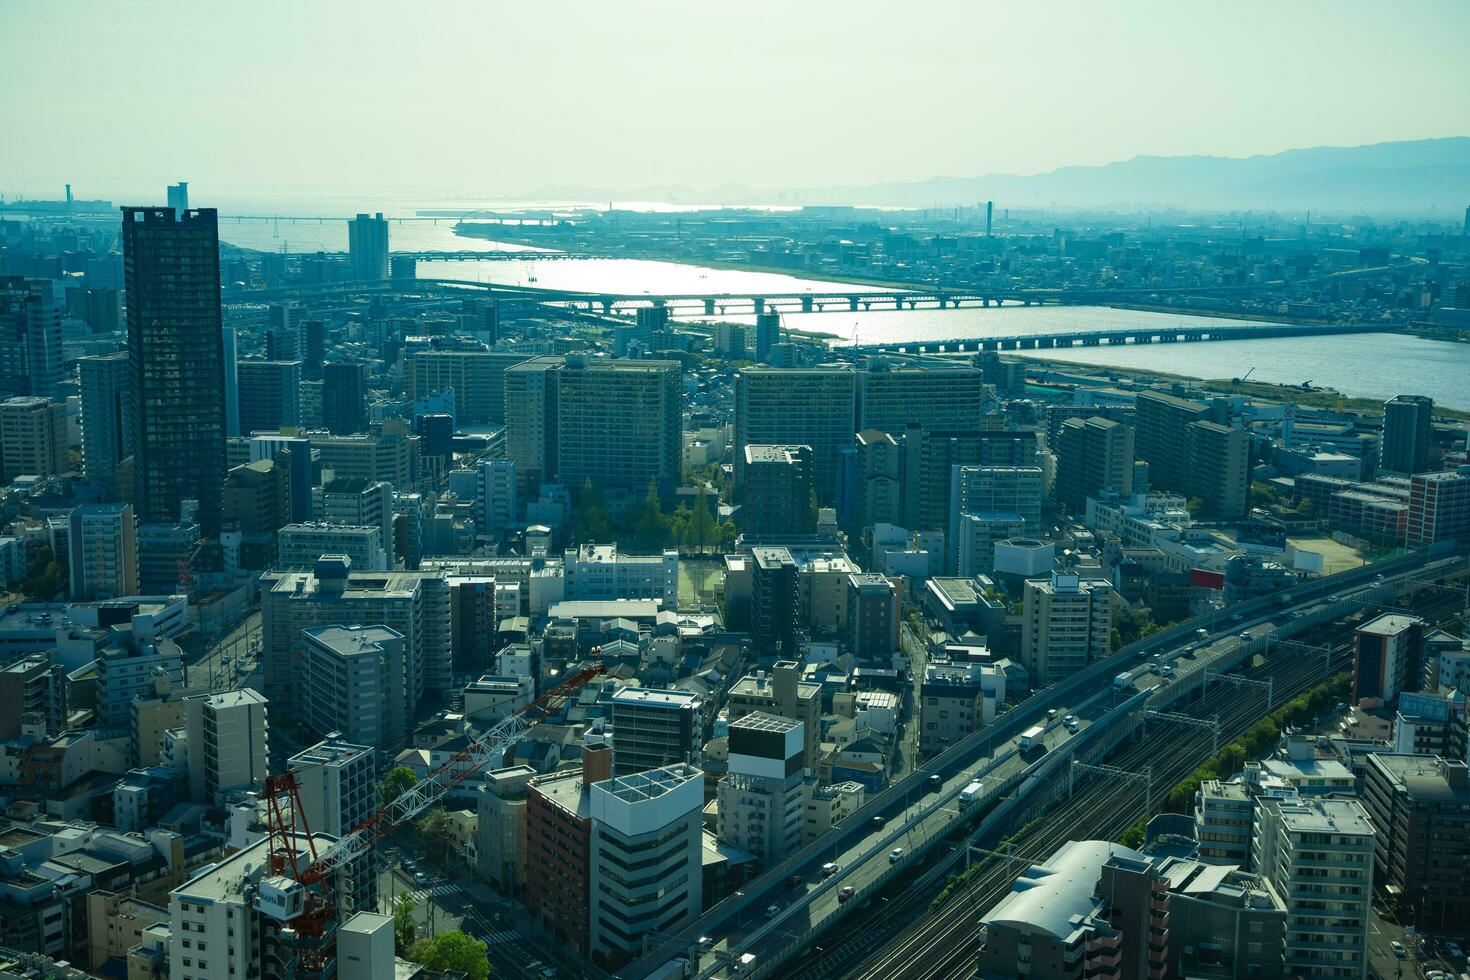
point(1435, 955)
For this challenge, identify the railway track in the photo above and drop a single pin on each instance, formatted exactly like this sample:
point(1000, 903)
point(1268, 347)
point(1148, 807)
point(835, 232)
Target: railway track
point(899, 938)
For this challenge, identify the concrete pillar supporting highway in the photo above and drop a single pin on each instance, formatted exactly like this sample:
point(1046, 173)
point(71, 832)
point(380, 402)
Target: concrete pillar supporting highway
point(898, 302)
point(709, 307)
point(806, 304)
point(852, 302)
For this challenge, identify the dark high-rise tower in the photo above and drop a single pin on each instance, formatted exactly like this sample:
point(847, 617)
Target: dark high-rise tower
point(1406, 426)
point(344, 397)
point(367, 245)
point(314, 349)
point(175, 362)
point(30, 337)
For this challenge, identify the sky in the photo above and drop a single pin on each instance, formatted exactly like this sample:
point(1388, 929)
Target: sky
point(500, 100)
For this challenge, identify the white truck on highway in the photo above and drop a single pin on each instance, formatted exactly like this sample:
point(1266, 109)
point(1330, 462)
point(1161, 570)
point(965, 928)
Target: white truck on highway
point(1032, 738)
point(971, 793)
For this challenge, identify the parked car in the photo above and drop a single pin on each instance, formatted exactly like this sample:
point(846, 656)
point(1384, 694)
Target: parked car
point(1398, 949)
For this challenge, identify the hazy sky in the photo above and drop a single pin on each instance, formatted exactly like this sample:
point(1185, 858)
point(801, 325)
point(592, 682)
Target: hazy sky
point(494, 99)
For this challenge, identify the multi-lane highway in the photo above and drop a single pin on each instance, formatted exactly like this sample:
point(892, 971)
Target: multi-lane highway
point(772, 919)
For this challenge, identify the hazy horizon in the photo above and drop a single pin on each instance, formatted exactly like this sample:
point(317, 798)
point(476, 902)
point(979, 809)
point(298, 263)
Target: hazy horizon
point(472, 100)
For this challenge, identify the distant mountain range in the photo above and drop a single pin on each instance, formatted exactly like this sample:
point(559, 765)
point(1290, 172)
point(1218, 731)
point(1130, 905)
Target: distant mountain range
point(1406, 177)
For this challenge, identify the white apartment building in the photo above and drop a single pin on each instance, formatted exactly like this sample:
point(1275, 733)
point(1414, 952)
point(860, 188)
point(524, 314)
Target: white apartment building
point(1066, 624)
point(1318, 855)
point(646, 856)
point(229, 743)
point(599, 572)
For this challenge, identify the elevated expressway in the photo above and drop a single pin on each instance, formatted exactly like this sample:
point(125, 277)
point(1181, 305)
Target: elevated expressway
point(741, 939)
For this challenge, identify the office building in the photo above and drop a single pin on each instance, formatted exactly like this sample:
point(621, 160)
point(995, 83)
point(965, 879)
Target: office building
point(165, 551)
point(230, 351)
point(778, 492)
point(1407, 423)
point(1093, 909)
point(361, 503)
point(477, 378)
point(1439, 508)
point(1219, 469)
point(872, 617)
point(32, 437)
point(178, 196)
point(269, 395)
point(558, 839)
point(30, 337)
point(176, 363)
point(651, 728)
point(128, 667)
point(993, 490)
point(436, 437)
point(256, 502)
point(597, 572)
point(646, 850)
point(367, 247)
point(313, 349)
point(876, 486)
point(499, 506)
point(229, 743)
point(956, 700)
point(1318, 856)
point(977, 537)
point(782, 692)
point(354, 681)
point(390, 455)
point(619, 424)
point(796, 407)
point(530, 419)
point(1094, 455)
point(1066, 624)
point(106, 423)
point(938, 398)
point(773, 602)
point(301, 545)
point(1161, 439)
point(1388, 658)
point(762, 798)
point(103, 543)
point(767, 334)
point(336, 780)
point(282, 338)
point(1420, 808)
point(344, 397)
point(414, 604)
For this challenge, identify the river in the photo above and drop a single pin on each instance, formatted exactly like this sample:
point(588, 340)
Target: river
point(1360, 365)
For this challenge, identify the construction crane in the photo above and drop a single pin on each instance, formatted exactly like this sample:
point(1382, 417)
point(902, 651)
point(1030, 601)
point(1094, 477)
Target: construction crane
point(296, 893)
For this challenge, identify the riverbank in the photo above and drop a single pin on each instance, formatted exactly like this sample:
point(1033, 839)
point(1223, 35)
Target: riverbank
point(1317, 397)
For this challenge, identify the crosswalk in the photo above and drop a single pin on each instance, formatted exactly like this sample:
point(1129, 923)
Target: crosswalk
point(446, 890)
point(499, 938)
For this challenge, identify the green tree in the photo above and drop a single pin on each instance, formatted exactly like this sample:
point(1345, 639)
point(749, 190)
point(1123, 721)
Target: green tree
point(594, 521)
point(404, 929)
point(43, 575)
point(433, 830)
point(728, 533)
point(701, 531)
point(651, 527)
point(399, 780)
point(453, 952)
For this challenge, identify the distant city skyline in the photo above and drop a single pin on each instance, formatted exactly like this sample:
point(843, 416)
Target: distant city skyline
point(513, 101)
